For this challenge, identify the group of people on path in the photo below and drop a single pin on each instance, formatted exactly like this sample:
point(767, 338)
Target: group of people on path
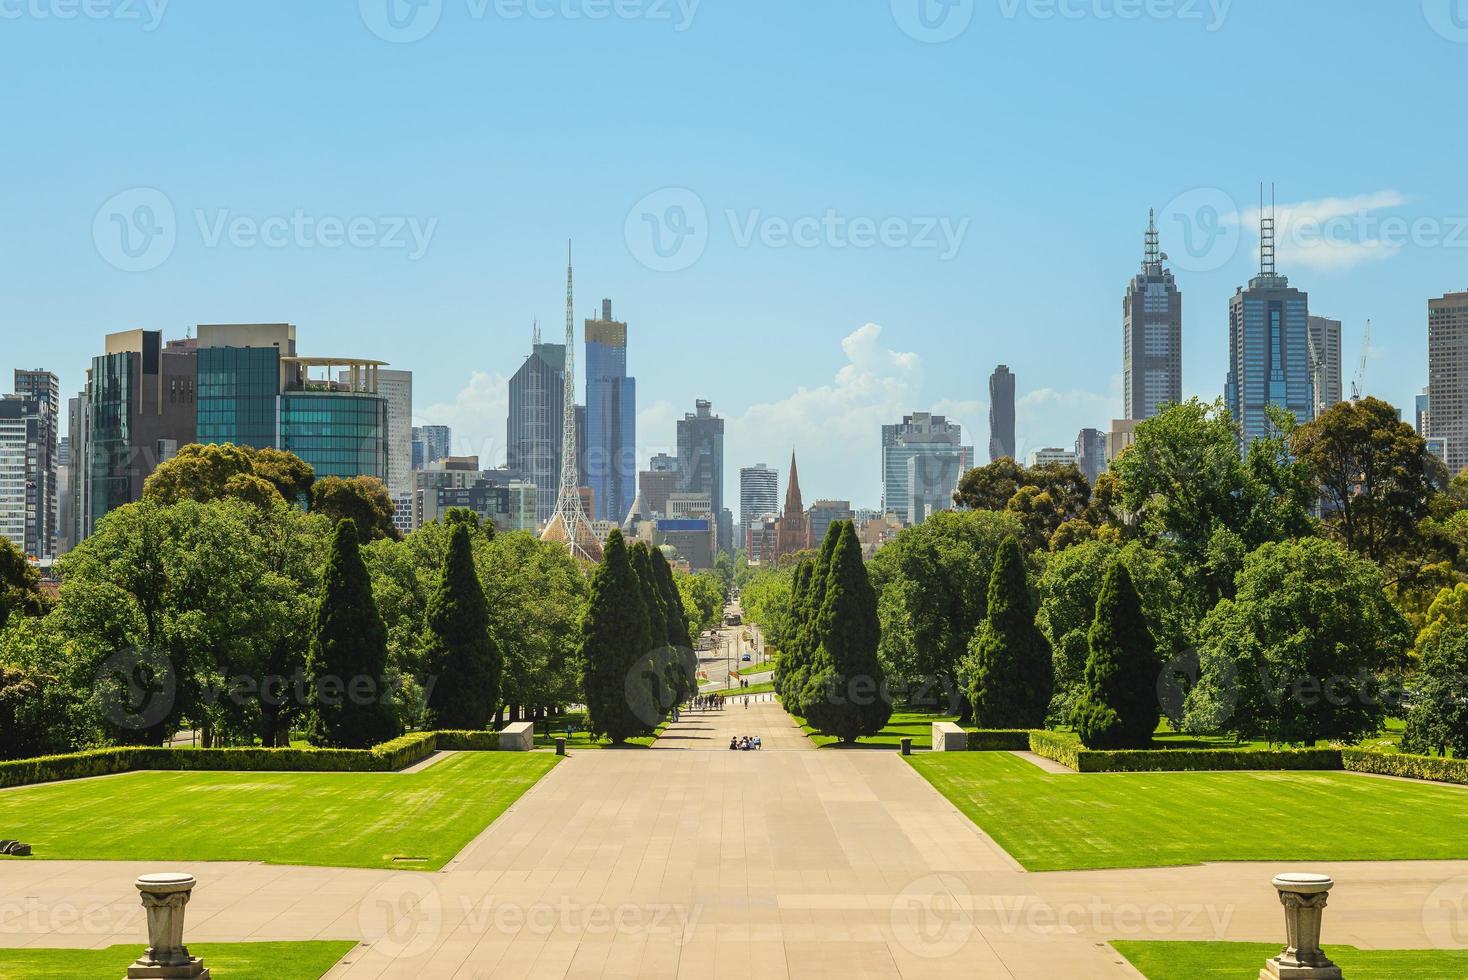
point(706, 702)
point(744, 743)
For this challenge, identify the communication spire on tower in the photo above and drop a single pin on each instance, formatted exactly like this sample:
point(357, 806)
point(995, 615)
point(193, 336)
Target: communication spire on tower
point(1266, 233)
point(1152, 259)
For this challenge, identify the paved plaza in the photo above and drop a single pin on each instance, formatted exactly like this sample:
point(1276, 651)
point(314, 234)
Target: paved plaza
point(689, 860)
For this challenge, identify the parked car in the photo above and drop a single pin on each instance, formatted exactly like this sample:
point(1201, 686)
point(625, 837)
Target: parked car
point(746, 658)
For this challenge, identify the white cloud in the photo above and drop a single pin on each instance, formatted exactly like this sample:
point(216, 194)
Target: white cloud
point(477, 416)
point(1336, 233)
point(657, 428)
point(1051, 417)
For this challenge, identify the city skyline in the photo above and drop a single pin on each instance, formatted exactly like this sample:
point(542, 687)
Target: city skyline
point(791, 330)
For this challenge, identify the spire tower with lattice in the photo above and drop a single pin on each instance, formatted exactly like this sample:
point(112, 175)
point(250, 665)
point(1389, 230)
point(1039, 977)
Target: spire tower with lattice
point(569, 525)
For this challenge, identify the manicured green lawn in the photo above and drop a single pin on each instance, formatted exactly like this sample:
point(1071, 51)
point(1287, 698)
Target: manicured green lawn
point(581, 738)
point(226, 961)
point(1137, 820)
point(758, 687)
point(916, 725)
point(1231, 961)
point(351, 819)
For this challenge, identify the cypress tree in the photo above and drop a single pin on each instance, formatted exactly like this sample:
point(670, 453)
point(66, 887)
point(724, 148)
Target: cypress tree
point(1119, 709)
point(809, 662)
point(462, 657)
point(788, 664)
point(663, 685)
point(846, 695)
point(614, 644)
point(348, 655)
point(1011, 673)
point(679, 641)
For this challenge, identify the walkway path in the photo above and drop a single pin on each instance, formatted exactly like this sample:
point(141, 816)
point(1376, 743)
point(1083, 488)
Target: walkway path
point(688, 860)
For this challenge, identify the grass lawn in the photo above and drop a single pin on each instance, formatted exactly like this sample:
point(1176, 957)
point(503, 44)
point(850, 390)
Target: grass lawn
point(349, 819)
point(755, 687)
point(1230, 961)
point(1138, 820)
point(226, 961)
point(581, 738)
point(916, 725)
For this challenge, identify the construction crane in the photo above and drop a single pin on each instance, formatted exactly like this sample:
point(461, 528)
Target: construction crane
point(1358, 383)
point(1317, 374)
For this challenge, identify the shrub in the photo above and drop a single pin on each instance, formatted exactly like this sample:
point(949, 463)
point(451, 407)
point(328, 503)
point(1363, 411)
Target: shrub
point(468, 741)
point(999, 740)
point(1209, 760)
point(1063, 749)
point(1409, 766)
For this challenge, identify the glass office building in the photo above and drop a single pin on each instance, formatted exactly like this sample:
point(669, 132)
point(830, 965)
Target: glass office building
point(238, 388)
point(340, 433)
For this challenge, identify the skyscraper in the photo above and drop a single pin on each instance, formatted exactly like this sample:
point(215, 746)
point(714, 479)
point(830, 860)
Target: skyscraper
point(1001, 414)
point(1152, 335)
point(923, 459)
point(1091, 453)
point(701, 456)
point(397, 388)
point(438, 442)
point(534, 427)
point(43, 460)
point(1325, 358)
point(611, 417)
point(658, 482)
point(1269, 347)
point(1447, 377)
point(759, 493)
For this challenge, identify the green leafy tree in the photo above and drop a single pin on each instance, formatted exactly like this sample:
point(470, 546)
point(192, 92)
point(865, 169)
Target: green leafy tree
point(20, 584)
point(1119, 709)
point(1302, 652)
point(846, 695)
point(1437, 722)
point(363, 500)
point(614, 644)
point(703, 595)
point(346, 667)
point(1372, 471)
point(204, 473)
point(665, 688)
point(680, 644)
point(790, 666)
point(806, 661)
point(1010, 674)
point(463, 660)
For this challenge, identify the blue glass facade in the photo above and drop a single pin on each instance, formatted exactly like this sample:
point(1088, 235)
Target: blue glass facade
point(1269, 355)
point(339, 433)
point(611, 420)
point(238, 388)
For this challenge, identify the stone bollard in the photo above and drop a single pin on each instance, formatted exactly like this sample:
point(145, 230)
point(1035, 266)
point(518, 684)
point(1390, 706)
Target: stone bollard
point(164, 897)
point(561, 746)
point(906, 744)
point(1303, 897)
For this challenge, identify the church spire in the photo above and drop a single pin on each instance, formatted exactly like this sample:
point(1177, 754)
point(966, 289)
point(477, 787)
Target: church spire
point(793, 503)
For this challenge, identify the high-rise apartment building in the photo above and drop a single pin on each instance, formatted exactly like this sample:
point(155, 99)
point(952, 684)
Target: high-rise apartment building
point(701, 457)
point(1447, 376)
point(42, 460)
point(397, 388)
point(1052, 456)
point(1269, 348)
point(759, 493)
point(611, 417)
point(534, 428)
point(657, 483)
point(1152, 335)
point(1001, 414)
point(923, 458)
point(1090, 453)
point(1325, 354)
point(139, 407)
point(437, 442)
point(824, 513)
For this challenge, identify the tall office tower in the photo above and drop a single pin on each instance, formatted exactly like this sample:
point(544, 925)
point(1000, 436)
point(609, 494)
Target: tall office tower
point(1152, 335)
point(657, 483)
point(77, 441)
point(701, 458)
point(254, 390)
point(397, 388)
point(824, 513)
point(611, 417)
point(759, 493)
point(923, 459)
point(533, 430)
point(569, 524)
point(1001, 414)
point(1091, 453)
point(138, 409)
point(1268, 346)
point(21, 418)
point(1421, 415)
point(1325, 360)
point(42, 460)
point(1447, 376)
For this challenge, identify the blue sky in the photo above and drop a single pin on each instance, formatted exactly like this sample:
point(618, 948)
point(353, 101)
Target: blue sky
point(853, 219)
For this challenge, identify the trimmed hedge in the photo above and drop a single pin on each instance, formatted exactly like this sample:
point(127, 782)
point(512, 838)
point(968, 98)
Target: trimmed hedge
point(1408, 766)
point(400, 753)
point(1209, 760)
point(1064, 749)
point(999, 740)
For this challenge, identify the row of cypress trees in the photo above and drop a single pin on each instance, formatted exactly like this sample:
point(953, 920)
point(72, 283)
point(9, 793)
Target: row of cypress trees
point(349, 703)
point(828, 672)
point(637, 658)
point(1010, 670)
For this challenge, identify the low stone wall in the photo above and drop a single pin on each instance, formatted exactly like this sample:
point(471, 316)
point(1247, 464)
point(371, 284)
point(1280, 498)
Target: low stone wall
point(948, 737)
point(517, 736)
